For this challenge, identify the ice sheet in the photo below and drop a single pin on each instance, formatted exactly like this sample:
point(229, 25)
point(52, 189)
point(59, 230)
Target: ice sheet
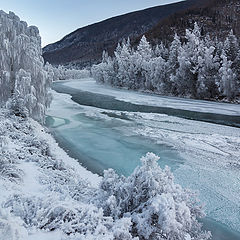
point(155, 100)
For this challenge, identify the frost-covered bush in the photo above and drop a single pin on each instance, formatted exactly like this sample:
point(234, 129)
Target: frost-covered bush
point(25, 208)
point(158, 208)
point(24, 84)
point(74, 218)
point(8, 169)
point(11, 228)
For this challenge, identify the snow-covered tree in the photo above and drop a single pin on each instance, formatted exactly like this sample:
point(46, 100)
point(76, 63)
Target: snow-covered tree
point(187, 75)
point(158, 75)
point(173, 64)
point(208, 74)
point(105, 72)
point(161, 51)
point(142, 57)
point(191, 68)
point(65, 73)
point(24, 83)
point(231, 46)
point(228, 78)
point(126, 67)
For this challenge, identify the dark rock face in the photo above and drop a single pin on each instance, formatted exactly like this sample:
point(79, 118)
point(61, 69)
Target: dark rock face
point(85, 45)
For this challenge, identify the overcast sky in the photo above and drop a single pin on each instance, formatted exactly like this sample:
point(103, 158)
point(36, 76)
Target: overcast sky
point(56, 18)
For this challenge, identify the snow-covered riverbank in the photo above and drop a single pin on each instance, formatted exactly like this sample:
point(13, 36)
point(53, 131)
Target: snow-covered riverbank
point(37, 180)
point(209, 153)
point(47, 195)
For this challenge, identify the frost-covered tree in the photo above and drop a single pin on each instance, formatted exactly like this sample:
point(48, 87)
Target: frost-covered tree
point(24, 83)
point(158, 75)
point(231, 48)
point(65, 73)
point(105, 72)
point(142, 57)
point(208, 74)
point(173, 63)
point(126, 66)
point(187, 73)
point(228, 78)
point(157, 207)
point(161, 50)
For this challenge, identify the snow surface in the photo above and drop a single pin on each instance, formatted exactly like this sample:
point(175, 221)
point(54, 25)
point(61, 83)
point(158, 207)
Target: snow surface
point(48, 195)
point(35, 169)
point(153, 100)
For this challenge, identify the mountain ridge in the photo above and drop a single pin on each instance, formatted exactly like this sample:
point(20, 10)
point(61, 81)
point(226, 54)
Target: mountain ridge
point(216, 18)
point(85, 45)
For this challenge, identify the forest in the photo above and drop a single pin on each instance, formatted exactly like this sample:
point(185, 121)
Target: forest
point(196, 67)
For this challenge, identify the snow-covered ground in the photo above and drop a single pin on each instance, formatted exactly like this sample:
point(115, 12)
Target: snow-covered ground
point(90, 85)
point(39, 182)
point(36, 177)
point(47, 195)
point(211, 152)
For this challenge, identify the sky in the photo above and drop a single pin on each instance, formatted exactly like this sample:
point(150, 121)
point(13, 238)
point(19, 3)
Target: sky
point(57, 18)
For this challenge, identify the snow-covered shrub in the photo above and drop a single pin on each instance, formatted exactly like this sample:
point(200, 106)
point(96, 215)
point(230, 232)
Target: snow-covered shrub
point(11, 228)
point(25, 208)
point(75, 218)
point(53, 212)
point(24, 84)
point(8, 169)
point(77, 189)
point(158, 208)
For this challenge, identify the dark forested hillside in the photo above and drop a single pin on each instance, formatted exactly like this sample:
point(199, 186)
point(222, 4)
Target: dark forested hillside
point(85, 45)
point(216, 17)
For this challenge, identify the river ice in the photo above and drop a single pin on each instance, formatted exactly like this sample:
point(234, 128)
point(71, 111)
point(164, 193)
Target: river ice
point(203, 156)
point(90, 85)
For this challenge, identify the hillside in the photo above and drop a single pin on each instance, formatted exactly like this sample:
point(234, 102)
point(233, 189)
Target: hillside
point(85, 45)
point(216, 17)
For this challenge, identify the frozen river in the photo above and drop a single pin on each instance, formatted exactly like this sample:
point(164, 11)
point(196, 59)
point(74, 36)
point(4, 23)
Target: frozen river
point(109, 128)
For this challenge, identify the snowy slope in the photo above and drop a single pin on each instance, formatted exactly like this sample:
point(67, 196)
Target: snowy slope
point(47, 195)
point(36, 176)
